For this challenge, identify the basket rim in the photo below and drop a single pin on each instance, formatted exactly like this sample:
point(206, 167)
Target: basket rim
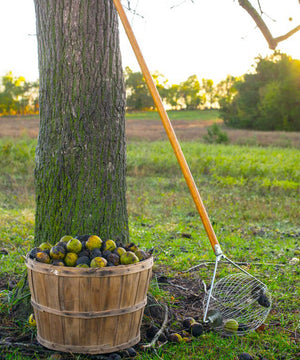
point(88, 272)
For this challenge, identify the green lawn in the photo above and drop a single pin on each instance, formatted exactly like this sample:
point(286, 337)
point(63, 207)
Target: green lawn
point(192, 115)
point(252, 197)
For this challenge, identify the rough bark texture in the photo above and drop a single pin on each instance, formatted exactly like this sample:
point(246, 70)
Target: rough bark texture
point(80, 157)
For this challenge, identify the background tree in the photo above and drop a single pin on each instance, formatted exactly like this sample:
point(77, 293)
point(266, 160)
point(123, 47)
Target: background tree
point(162, 84)
point(137, 94)
point(172, 96)
point(279, 105)
point(267, 99)
point(189, 93)
point(225, 89)
point(210, 95)
point(15, 95)
point(80, 156)
point(7, 94)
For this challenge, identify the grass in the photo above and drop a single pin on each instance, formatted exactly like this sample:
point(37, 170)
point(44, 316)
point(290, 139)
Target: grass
point(252, 197)
point(192, 115)
point(225, 165)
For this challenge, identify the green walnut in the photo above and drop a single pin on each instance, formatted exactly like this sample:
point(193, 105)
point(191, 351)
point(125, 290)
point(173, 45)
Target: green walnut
point(131, 247)
point(93, 242)
point(120, 251)
point(175, 338)
point(66, 238)
point(43, 257)
point(129, 258)
point(82, 265)
point(57, 252)
point(98, 262)
point(187, 323)
point(45, 246)
point(109, 245)
point(74, 246)
point(196, 329)
point(58, 263)
point(231, 325)
point(70, 259)
point(141, 254)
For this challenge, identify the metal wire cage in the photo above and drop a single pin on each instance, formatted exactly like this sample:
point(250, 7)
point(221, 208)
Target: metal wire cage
point(240, 299)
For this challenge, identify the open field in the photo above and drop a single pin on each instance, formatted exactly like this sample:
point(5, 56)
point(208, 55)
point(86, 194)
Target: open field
point(191, 125)
point(188, 115)
point(252, 197)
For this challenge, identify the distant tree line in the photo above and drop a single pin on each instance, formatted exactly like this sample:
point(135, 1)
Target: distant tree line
point(188, 95)
point(268, 98)
point(17, 96)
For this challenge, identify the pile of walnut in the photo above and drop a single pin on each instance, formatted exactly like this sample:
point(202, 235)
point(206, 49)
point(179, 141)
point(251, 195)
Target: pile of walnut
point(87, 251)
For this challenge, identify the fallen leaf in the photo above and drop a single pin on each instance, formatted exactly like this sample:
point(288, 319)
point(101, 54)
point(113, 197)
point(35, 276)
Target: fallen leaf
point(261, 328)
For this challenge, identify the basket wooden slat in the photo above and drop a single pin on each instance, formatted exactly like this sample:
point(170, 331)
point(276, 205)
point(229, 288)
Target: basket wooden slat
point(89, 311)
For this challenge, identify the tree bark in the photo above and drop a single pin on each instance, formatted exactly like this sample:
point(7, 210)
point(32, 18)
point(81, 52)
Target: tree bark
point(81, 153)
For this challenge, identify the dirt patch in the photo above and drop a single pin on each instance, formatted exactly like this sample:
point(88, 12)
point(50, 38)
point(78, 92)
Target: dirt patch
point(15, 126)
point(152, 130)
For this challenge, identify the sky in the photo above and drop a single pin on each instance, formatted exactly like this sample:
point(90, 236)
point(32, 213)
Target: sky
point(178, 38)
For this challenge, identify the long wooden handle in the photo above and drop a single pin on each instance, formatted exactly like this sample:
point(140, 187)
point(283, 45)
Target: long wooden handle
point(169, 130)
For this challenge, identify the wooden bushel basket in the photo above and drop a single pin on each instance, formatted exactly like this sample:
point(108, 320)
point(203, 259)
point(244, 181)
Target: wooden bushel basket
point(92, 310)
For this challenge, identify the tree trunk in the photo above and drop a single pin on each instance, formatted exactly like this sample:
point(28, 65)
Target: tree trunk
point(81, 154)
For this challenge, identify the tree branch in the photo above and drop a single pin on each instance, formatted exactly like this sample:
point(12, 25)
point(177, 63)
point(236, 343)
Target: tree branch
point(133, 11)
point(273, 42)
point(182, 2)
point(287, 35)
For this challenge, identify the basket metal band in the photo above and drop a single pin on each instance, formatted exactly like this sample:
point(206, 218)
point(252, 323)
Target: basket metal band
point(90, 314)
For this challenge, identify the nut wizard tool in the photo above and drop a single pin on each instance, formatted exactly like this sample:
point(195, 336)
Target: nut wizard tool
point(238, 296)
